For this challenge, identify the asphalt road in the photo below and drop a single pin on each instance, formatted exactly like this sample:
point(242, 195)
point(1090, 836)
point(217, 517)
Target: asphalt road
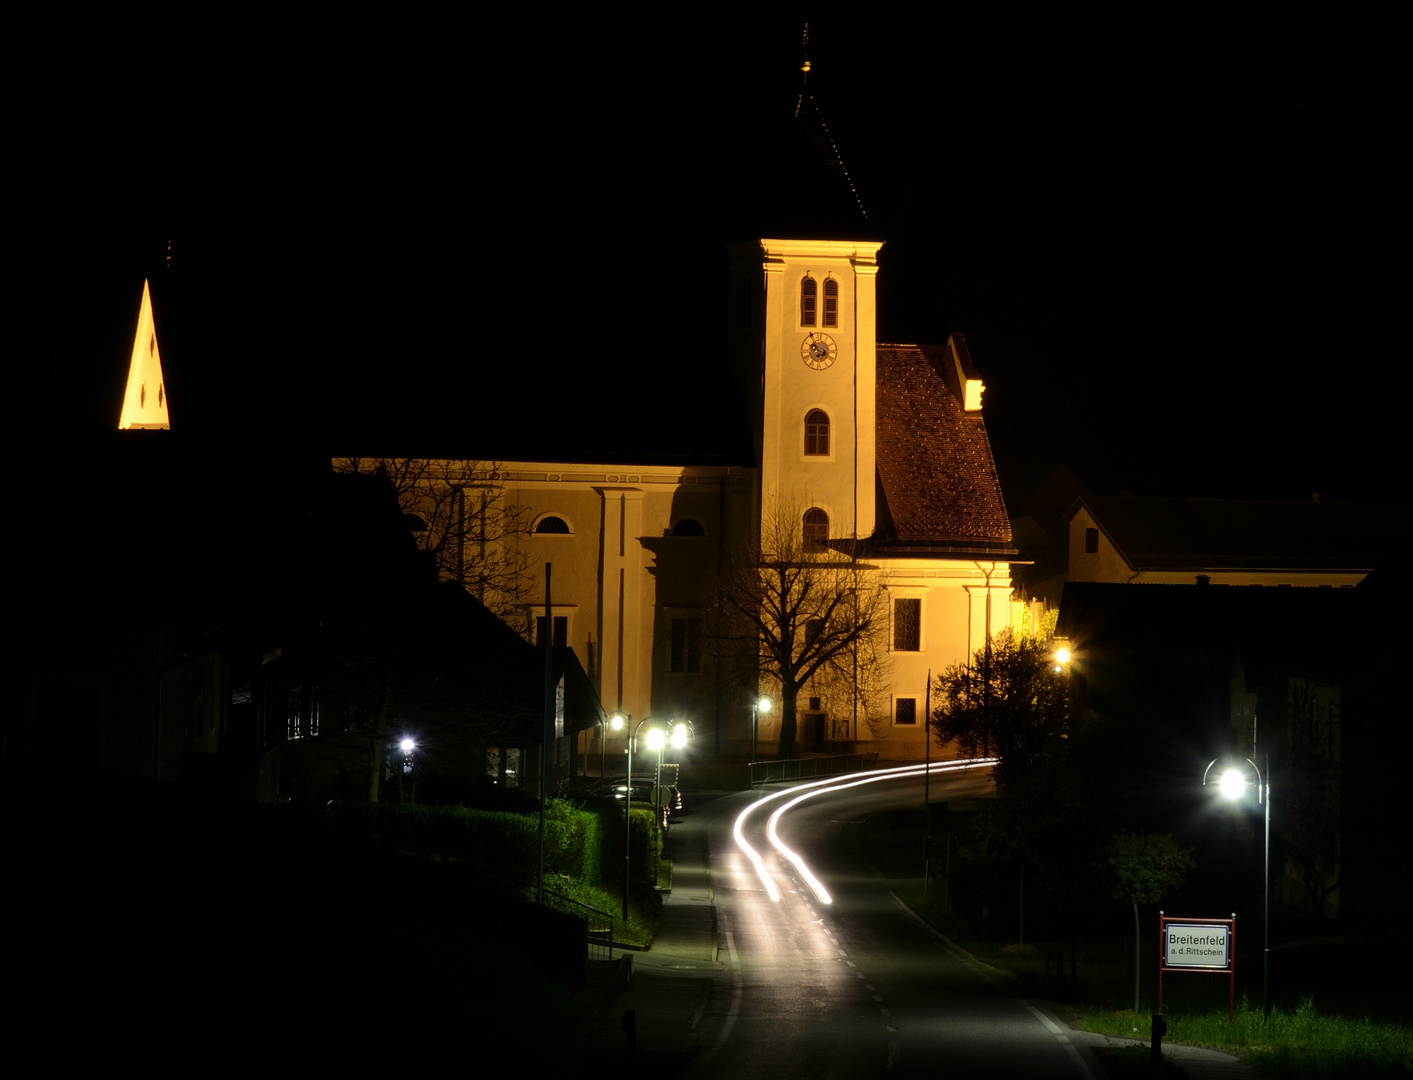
point(855, 987)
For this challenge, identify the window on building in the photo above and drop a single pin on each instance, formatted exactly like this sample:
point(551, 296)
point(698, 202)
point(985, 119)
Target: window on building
point(684, 645)
point(809, 295)
point(907, 624)
point(817, 433)
point(814, 630)
point(905, 711)
point(816, 526)
point(688, 527)
point(831, 303)
point(551, 524)
point(1091, 541)
point(561, 630)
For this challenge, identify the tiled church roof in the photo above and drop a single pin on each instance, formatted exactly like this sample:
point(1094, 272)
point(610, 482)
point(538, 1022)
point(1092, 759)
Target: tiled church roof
point(935, 468)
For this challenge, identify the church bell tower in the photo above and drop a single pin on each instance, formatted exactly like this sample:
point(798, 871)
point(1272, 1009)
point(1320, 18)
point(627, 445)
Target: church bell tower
point(803, 351)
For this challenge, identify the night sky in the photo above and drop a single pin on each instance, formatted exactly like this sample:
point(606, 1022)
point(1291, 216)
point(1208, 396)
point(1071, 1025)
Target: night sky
point(1172, 247)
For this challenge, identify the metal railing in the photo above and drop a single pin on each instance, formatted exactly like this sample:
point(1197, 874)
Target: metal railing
point(599, 924)
point(766, 772)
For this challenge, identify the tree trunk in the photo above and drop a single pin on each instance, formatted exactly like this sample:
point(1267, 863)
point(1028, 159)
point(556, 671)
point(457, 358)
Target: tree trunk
point(787, 726)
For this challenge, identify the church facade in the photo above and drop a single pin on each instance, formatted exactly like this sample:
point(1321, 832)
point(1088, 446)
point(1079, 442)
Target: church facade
point(876, 453)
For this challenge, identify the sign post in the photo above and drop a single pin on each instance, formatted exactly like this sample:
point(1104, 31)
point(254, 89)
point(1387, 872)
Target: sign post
point(1198, 945)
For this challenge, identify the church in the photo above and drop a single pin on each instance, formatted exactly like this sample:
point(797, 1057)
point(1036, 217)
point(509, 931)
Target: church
point(874, 455)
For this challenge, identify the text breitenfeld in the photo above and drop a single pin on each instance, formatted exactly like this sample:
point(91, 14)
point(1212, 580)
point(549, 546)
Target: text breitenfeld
point(1193, 939)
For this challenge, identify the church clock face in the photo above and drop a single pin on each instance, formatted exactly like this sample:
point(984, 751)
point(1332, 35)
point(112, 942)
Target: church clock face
point(819, 351)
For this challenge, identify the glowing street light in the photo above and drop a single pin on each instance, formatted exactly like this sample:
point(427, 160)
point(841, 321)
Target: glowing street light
point(406, 745)
point(658, 736)
point(1232, 784)
point(759, 706)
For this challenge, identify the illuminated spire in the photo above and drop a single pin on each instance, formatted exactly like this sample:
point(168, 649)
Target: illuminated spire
point(145, 402)
point(808, 114)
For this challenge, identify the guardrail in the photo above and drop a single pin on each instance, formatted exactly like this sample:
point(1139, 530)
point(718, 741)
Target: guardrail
point(766, 772)
point(599, 924)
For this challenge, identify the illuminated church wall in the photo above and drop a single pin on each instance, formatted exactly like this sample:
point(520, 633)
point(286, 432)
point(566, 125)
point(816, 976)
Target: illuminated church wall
point(641, 556)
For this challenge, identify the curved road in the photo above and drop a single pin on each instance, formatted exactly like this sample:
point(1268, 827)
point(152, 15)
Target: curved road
point(857, 986)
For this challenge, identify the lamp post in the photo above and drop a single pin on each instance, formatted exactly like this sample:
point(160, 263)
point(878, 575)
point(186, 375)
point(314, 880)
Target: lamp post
point(1232, 785)
point(628, 809)
point(658, 737)
point(762, 704)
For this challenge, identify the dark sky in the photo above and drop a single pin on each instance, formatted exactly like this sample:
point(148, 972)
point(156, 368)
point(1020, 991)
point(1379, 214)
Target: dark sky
point(1171, 246)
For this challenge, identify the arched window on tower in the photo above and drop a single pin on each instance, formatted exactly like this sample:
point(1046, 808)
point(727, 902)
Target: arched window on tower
point(809, 293)
point(817, 433)
point(831, 303)
point(816, 526)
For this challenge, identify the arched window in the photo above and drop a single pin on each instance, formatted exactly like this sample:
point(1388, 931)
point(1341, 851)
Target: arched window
point(817, 433)
point(816, 526)
point(551, 524)
point(809, 292)
point(831, 303)
point(688, 527)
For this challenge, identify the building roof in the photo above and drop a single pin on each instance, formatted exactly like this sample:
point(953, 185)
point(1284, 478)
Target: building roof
point(1216, 534)
point(936, 473)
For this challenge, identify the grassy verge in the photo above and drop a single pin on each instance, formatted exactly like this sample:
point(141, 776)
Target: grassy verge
point(1290, 1044)
point(643, 907)
point(1300, 1043)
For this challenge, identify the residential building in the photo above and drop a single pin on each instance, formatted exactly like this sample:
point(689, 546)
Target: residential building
point(1148, 540)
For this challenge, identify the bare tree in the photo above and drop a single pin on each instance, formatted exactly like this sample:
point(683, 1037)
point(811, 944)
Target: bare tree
point(460, 518)
point(810, 614)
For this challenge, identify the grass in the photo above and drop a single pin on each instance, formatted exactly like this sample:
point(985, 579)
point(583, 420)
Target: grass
point(1290, 1045)
point(643, 907)
point(1302, 1042)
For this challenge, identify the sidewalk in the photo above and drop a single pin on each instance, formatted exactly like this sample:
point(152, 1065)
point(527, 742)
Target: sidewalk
point(672, 983)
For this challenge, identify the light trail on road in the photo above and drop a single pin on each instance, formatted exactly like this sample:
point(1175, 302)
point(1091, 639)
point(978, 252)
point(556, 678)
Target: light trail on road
point(824, 787)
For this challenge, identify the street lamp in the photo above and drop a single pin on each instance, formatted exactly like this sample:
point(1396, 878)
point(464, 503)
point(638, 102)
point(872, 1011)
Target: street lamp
point(616, 721)
point(407, 745)
point(1232, 784)
point(658, 737)
point(762, 704)
point(628, 808)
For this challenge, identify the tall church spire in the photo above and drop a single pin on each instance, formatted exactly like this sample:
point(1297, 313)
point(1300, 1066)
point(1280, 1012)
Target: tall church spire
point(808, 114)
point(145, 402)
